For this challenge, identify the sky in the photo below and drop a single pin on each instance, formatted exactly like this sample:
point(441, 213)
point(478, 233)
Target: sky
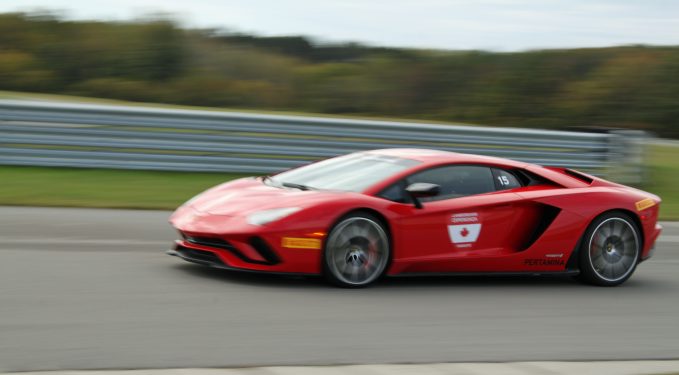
point(496, 25)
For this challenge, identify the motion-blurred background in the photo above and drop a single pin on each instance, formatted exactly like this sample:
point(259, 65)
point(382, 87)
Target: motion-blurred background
point(563, 65)
point(141, 104)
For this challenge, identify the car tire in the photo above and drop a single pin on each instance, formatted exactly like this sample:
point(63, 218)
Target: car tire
point(357, 251)
point(610, 250)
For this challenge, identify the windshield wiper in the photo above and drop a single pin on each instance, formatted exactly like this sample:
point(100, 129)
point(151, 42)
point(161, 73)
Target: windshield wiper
point(295, 186)
point(267, 180)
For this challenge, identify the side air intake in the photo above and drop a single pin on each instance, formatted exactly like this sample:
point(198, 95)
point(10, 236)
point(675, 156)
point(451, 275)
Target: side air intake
point(547, 216)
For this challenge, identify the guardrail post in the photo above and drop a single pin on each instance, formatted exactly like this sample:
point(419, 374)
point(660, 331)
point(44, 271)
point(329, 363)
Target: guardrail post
point(626, 156)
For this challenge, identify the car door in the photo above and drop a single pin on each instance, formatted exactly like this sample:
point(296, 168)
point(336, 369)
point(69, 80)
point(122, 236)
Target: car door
point(475, 216)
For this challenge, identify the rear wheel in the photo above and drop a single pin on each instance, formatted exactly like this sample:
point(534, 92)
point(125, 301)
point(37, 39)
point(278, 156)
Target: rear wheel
point(610, 250)
point(356, 252)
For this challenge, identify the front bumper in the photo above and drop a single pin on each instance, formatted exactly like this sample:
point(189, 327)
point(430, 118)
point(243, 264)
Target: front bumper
point(229, 242)
point(206, 259)
point(651, 243)
point(201, 257)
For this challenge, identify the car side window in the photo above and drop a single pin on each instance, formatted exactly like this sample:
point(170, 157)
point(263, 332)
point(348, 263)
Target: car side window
point(396, 193)
point(456, 180)
point(505, 180)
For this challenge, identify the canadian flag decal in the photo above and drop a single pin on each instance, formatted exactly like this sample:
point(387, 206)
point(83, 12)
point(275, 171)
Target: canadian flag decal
point(464, 233)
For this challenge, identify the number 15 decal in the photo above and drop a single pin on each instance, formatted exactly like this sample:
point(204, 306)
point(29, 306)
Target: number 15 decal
point(504, 181)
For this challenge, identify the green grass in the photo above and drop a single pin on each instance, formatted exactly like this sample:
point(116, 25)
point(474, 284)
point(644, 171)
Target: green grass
point(663, 179)
point(71, 187)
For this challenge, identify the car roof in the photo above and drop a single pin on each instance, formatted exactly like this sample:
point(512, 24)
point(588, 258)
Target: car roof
point(433, 157)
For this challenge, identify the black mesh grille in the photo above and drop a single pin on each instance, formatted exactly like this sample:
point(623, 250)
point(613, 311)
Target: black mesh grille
point(210, 242)
point(218, 243)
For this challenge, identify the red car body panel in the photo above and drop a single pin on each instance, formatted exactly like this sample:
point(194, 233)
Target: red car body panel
point(507, 221)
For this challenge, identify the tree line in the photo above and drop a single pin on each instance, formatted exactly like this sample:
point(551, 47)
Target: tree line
point(155, 60)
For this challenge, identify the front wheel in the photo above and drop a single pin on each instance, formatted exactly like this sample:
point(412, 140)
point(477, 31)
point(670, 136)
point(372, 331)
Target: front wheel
point(610, 250)
point(356, 252)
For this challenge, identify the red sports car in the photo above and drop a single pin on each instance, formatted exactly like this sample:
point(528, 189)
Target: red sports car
point(357, 217)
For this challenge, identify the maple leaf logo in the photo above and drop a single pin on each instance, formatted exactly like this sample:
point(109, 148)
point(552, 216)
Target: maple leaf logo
point(464, 232)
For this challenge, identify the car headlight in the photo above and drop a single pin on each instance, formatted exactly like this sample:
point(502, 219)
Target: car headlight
point(268, 216)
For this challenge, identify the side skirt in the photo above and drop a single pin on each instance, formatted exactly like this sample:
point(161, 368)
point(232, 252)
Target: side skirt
point(484, 274)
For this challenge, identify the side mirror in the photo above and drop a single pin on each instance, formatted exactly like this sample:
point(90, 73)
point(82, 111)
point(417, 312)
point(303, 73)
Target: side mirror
point(422, 190)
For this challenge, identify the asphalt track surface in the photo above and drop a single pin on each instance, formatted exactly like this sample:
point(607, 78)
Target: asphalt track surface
point(93, 289)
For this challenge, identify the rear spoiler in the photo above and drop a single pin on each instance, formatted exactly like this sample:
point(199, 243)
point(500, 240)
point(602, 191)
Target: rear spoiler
point(583, 177)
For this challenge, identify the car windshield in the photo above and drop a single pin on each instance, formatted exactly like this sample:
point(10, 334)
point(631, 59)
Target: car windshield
point(353, 172)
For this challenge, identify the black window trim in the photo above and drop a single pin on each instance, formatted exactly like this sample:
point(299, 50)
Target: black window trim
point(525, 178)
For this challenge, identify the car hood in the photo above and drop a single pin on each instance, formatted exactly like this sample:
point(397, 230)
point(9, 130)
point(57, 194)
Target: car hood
point(244, 196)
